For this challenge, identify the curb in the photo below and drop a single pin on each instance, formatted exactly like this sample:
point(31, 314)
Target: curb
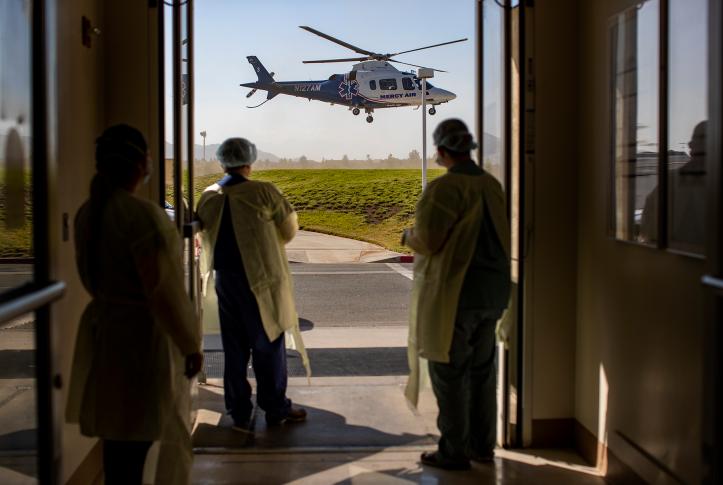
point(406, 259)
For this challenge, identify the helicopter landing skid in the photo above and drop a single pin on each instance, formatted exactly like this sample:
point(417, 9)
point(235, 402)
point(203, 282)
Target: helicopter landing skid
point(258, 104)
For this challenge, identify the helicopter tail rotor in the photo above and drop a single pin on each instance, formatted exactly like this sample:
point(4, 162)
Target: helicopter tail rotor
point(253, 91)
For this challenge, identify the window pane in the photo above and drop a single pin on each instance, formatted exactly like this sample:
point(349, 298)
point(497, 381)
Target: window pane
point(493, 117)
point(18, 423)
point(372, 84)
point(635, 120)
point(687, 120)
point(388, 84)
point(407, 83)
point(16, 195)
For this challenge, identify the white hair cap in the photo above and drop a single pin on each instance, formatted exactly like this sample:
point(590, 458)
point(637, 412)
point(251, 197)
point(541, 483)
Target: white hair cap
point(236, 152)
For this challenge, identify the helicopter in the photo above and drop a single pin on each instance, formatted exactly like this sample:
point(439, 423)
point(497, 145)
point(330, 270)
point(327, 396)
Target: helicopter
point(373, 83)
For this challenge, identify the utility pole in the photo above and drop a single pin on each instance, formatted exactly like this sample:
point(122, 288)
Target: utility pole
point(203, 134)
point(424, 74)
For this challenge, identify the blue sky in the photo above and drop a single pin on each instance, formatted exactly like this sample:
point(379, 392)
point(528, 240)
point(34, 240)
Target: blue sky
point(228, 31)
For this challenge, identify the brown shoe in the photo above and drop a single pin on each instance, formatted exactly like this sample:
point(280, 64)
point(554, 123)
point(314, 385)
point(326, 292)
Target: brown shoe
point(296, 415)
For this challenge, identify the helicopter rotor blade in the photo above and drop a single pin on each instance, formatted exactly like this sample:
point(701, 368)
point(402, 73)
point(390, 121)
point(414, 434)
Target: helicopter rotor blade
point(408, 64)
point(337, 41)
point(337, 60)
point(422, 48)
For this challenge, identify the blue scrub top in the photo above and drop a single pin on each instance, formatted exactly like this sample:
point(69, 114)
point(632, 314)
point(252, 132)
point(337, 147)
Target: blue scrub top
point(226, 254)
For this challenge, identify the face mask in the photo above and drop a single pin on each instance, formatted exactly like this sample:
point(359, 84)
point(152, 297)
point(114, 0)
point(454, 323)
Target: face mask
point(148, 175)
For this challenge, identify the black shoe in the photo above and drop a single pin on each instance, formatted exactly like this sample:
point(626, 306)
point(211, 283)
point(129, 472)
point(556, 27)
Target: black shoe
point(241, 425)
point(484, 457)
point(430, 459)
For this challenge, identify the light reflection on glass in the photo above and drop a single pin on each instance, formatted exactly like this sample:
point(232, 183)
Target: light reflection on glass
point(634, 37)
point(493, 119)
point(687, 124)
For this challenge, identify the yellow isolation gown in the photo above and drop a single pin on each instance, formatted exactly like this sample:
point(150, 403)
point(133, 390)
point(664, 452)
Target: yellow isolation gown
point(128, 381)
point(447, 222)
point(263, 222)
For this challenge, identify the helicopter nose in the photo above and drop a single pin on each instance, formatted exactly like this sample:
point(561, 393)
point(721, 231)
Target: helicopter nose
point(443, 94)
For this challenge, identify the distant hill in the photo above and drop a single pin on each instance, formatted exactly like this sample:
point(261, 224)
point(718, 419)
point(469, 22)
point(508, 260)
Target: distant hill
point(491, 144)
point(211, 152)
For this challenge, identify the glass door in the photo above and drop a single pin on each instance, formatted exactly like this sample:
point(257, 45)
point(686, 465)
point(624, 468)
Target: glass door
point(179, 190)
point(28, 430)
point(504, 148)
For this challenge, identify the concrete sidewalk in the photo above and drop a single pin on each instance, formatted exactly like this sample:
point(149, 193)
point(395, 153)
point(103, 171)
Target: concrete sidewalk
point(313, 247)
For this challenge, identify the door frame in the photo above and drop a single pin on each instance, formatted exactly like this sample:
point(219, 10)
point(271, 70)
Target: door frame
point(39, 295)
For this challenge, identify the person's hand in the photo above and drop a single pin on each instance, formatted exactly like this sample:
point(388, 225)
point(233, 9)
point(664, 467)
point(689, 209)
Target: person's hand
point(404, 237)
point(194, 362)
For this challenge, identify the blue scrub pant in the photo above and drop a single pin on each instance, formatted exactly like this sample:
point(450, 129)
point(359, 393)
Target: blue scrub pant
point(242, 333)
point(466, 389)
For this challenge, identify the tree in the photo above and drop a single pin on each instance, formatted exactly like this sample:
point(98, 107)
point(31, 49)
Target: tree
point(390, 157)
point(487, 165)
point(414, 156)
point(302, 159)
point(369, 157)
point(344, 158)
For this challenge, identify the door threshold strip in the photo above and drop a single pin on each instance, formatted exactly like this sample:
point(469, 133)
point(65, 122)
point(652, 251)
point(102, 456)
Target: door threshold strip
point(206, 450)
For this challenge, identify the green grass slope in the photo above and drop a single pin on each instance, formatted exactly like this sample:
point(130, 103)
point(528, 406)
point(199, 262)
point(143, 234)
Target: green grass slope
point(369, 205)
point(17, 243)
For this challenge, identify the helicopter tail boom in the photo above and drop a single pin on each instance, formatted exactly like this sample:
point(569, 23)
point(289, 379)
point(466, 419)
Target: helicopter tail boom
point(261, 72)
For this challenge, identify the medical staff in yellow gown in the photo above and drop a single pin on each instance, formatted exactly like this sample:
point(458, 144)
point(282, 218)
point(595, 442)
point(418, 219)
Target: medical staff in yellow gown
point(461, 243)
point(247, 278)
point(139, 337)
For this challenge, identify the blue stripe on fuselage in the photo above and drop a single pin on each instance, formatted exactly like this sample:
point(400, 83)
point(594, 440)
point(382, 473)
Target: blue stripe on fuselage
point(325, 91)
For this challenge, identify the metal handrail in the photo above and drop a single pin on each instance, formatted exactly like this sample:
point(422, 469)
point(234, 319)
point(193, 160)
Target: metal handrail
point(713, 283)
point(32, 301)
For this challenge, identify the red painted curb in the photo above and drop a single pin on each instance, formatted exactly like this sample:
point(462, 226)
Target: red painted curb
point(406, 259)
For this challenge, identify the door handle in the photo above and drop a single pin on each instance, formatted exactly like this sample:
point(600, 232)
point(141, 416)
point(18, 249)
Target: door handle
point(31, 301)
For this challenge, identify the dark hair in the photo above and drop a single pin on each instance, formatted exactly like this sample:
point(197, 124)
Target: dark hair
point(120, 155)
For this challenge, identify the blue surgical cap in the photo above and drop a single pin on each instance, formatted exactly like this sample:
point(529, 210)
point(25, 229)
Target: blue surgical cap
point(236, 152)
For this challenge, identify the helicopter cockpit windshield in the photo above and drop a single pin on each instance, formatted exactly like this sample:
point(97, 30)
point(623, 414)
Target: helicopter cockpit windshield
point(419, 84)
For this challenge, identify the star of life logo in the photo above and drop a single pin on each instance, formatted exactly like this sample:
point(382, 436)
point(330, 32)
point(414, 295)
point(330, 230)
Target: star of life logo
point(347, 89)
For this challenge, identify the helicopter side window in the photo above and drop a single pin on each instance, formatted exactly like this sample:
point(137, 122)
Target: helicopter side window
point(408, 84)
point(418, 83)
point(388, 84)
point(372, 84)
point(333, 77)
